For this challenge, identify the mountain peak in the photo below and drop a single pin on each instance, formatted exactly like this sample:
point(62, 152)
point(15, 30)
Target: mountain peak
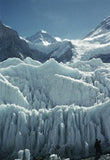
point(41, 37)
point(107, 19)
point(102, 28)
point(42, 31)
point(6, 31)
point(105, 24)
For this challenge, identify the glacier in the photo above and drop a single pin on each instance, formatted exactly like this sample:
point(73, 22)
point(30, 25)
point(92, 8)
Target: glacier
point(95, 44)
point(54, 108)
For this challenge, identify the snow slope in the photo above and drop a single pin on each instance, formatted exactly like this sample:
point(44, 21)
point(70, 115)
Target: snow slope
point(53, 108)
point(96, 44)
point(101, 33)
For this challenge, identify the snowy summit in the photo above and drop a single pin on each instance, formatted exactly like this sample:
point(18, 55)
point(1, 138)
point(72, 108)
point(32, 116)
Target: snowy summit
point(41, 37)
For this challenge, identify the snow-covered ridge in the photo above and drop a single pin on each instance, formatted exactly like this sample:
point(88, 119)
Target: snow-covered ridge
point(41, 38)
point(102, 28)
point(95, 45)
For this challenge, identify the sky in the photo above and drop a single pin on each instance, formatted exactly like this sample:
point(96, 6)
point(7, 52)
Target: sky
point(70, 19)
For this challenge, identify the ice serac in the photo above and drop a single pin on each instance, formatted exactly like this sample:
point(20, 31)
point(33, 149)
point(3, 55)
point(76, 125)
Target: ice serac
point(69, 128)
point(10, 94)
point(51, 84)
point(11, 45)
point(52, 108)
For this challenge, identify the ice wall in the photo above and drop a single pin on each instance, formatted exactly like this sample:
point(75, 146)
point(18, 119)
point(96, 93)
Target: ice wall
point(51, 84)
point(51, 108)
point(52, 131)
point(11, 94)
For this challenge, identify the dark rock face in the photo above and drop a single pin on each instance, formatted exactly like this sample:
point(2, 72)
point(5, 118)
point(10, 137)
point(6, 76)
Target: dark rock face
point(67, 55)
point(42, 57)
point(39, 56)
point(104, 57)
point(11, 45)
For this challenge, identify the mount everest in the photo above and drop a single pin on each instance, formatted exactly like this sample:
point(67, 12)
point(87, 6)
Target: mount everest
point(54, 94)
